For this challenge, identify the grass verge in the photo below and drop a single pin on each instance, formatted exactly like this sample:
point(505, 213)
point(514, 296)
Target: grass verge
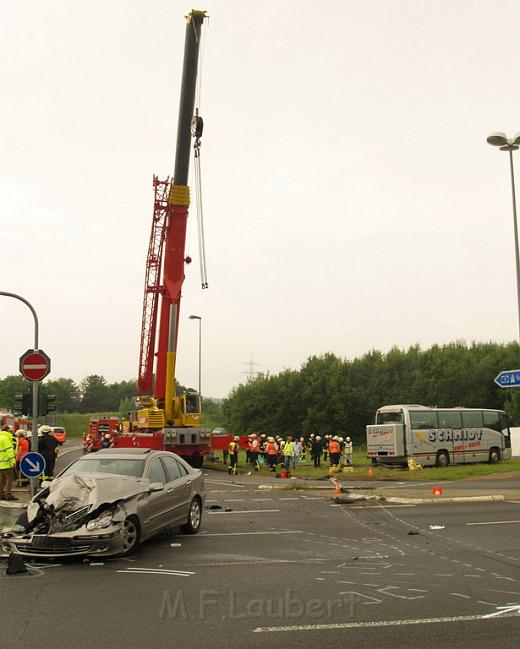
point(360, 470)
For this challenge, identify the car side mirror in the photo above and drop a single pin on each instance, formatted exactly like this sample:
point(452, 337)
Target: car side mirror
point(156, 486)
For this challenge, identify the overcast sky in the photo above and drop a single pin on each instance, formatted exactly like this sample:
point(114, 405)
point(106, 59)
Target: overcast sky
point(350, 199)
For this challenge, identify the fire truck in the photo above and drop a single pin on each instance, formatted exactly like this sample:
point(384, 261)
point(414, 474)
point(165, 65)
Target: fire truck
point(163, 419)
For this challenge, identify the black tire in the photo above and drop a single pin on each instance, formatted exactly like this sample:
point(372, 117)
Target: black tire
point(494, 455)
point(194, 521)
point(131, 536)
point(443, 459)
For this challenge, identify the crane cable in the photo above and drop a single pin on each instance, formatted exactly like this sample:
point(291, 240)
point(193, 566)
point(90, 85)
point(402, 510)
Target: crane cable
point(197, 128)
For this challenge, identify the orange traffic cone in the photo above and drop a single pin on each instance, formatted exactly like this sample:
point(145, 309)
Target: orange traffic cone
point(370, 472)
point(337, 490)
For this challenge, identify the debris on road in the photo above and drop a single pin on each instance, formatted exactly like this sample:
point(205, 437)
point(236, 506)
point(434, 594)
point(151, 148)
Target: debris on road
point(175, 545)
point(436, 527)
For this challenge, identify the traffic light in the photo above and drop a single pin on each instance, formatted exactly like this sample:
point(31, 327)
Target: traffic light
point(46, 404)
point(23, 403)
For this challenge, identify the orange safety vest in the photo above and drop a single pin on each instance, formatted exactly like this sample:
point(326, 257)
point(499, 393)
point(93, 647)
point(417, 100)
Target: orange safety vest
point(255, 445)
point(23, 448)
point(334, 447)
point(271, 448)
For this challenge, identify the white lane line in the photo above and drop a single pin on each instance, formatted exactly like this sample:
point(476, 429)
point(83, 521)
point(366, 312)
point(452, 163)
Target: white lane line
point(167, 570)
point(517, 502)
point(245, 533)
point(245, 511)
point(62, 453)
point(228, 484)
point(368, 625)
point(154, 572)
point(235, 500)
point(288, 499)
point(261, 500)
point(460, 595)
point(494, 523)
point(380, 506)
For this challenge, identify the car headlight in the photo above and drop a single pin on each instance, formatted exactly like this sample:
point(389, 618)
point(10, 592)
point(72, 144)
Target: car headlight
point(103, 520)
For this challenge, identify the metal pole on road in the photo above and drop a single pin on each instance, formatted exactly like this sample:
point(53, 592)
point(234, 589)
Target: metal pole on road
point(35, 385)
point(510, 145)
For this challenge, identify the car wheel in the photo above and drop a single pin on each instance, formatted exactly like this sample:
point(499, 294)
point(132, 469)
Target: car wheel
point(443, 459)
point(192, 525)
point(131, 535)
point(494, 456)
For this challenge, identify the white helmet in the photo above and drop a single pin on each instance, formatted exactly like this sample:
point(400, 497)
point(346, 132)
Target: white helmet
point(340, 439)
point(348, 439)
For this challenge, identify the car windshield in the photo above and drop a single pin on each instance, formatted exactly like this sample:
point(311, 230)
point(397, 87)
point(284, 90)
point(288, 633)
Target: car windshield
point(129, 467)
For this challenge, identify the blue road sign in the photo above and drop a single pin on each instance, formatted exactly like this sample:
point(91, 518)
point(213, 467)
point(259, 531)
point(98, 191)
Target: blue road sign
point(508, 379)
point(32, 465)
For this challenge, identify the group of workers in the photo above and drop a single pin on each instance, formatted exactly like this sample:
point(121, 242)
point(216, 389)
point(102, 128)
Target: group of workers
point(13, 448)
point(273, 451)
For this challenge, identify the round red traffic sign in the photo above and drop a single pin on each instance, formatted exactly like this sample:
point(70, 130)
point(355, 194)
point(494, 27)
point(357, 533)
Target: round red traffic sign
point(35, 365)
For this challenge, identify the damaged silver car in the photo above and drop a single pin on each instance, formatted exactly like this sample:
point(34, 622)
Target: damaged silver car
point(107, 502)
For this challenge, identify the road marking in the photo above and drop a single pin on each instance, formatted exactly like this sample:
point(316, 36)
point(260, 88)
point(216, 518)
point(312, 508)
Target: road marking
point(288, 498)
point(235, 500)
point(367, 625)
point(246, 533)
point(228, 484)
point(245, 511)
point(517, 502)
point(380, 506)
point(494, 523)
point(157, 571)
point(62, 453)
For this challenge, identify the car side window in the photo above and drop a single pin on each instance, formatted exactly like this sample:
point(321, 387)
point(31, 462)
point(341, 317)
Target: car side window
point(173, 468)
point(156, 472)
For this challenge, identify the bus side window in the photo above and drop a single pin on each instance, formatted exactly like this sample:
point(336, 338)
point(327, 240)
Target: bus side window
point(492, 420)
point(472, 419)
point(450, 419)
point(423, 420)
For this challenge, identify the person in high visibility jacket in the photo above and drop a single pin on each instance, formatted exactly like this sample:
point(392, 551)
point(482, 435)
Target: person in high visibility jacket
point(233, 454)
point(271, 451)
point(334, 451)
point(288, 450)
point(23, 447)
point(255, 450)
point(7, 463)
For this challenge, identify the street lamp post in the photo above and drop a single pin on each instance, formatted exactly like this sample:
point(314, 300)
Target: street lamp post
point(197, 317)
point(510, 145)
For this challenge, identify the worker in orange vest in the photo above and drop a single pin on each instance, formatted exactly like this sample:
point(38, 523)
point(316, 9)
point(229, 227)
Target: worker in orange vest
point(271, 451)
point(334, 451)
point(255, 450)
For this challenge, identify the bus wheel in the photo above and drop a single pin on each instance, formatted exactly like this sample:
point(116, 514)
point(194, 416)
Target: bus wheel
point(443, 459)
point(494, 455)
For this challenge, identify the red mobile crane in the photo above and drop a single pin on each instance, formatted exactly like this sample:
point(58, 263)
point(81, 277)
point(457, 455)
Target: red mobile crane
point(162, 418)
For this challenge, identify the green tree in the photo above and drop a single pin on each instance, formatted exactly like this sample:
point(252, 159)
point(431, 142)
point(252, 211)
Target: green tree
point(68, 396)
point(10, 386)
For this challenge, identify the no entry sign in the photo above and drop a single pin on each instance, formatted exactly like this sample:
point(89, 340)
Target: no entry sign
point(35, 365)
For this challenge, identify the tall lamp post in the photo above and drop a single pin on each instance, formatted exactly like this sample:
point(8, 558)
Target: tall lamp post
point(511, 144)
point(197, 317)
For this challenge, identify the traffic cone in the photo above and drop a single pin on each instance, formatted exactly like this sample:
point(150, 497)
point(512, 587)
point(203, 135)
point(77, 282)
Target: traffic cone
point(337, 489)
point(370, 472)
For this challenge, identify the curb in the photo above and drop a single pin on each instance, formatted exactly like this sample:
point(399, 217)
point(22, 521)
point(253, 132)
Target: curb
point(440, 501)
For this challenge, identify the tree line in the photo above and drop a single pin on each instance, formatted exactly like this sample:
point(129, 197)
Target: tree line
point(331, 395)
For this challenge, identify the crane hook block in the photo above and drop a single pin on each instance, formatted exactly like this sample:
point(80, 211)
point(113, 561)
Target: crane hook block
point(197, 126)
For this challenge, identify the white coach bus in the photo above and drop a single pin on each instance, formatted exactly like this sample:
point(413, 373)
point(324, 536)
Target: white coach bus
point(438, 436)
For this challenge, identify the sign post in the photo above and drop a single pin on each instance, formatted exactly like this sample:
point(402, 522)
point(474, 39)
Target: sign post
point(508, 379)
point(34, 435)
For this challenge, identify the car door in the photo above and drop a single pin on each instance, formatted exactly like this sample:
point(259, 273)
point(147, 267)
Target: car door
point(179, 488)
point(155, 508)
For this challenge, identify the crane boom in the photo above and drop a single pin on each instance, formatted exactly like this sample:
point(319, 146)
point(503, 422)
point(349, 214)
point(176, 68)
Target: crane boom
point(167, 245)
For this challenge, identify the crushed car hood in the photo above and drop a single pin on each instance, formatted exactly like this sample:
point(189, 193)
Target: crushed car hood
point(71, 492)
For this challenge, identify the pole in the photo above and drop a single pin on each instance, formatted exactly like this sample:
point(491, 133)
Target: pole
point(515, 223)
point(34, 432)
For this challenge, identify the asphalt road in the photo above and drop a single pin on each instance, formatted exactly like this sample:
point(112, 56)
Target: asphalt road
point(287, 569)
